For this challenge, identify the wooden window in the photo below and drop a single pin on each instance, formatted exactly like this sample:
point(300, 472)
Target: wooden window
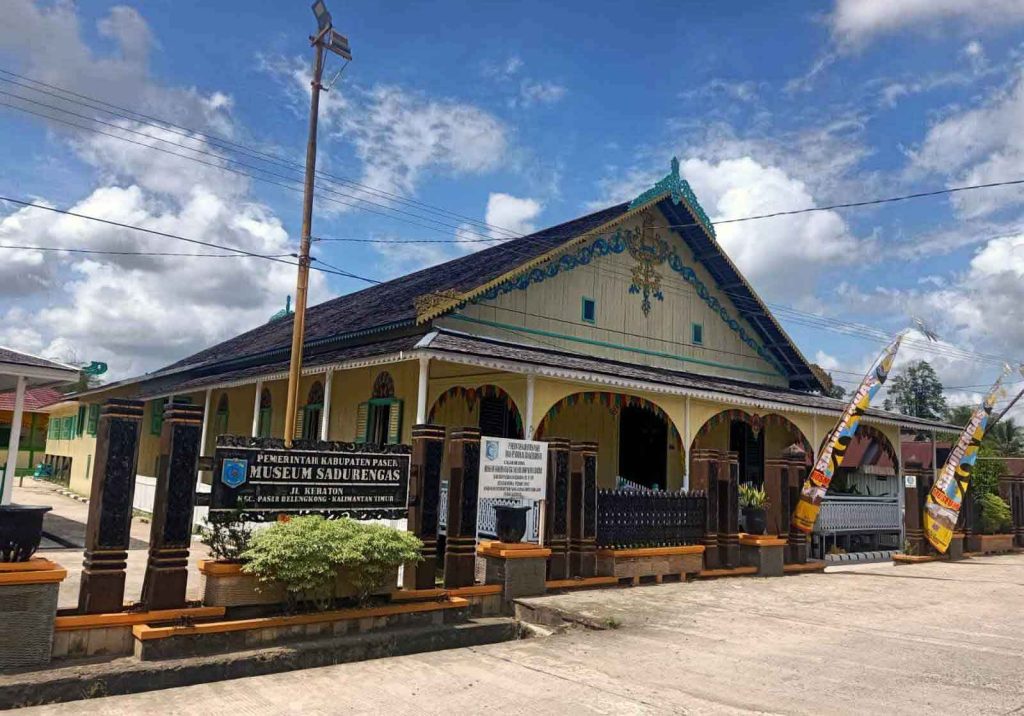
point(379, 421)
point(589, 311)
point(80, 420)
point(313, 413)
point(697, 334)
point(220, 420)
point(156, 417)
point(263, 424)
point(94, 419)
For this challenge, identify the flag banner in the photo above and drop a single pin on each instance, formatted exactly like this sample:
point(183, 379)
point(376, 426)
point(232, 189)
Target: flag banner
point(942, 507)
point(834, 450)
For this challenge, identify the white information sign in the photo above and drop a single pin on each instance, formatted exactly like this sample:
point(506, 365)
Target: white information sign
point(910, 481)
point(513, 470)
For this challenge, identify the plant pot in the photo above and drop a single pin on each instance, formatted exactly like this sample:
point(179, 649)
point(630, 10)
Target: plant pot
point(989, 544)
point(21, 530)
point(510, 522)
point(226, 585)
point(755, 520)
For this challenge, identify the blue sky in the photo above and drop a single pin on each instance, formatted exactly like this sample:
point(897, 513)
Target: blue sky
point(523, 115)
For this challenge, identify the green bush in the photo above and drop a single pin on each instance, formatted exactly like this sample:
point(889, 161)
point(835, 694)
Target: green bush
point(304, 554)
point(994, 516)
point(227, 536)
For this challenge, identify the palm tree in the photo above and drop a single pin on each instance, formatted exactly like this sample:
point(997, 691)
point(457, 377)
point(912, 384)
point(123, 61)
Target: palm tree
point(1006, 438)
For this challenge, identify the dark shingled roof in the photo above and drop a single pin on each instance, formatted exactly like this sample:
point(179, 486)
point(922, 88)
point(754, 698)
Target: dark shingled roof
point(454, 342)
point(8, 355)
point(391, 302)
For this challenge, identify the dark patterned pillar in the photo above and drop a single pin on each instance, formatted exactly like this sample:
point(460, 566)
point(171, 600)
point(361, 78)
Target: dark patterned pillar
point(798, 549)
point(704, 478)
point(583, 508)
point(556, 518)
point(775, 477)
point(108, 530)
point(729, 508)
point(171, 531)
point(463, 482)
point(424, 493)
point(1017, 508)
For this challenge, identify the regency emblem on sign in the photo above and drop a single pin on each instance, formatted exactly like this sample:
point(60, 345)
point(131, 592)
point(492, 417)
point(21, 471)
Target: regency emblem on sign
point(233, 472)
point(649, 250)
point(492, 450)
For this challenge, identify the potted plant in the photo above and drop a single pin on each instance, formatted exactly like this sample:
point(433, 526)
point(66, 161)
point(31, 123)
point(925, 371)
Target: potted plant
point(754, 504)
point(994, 523)
point(21, 531)
point(312, 561)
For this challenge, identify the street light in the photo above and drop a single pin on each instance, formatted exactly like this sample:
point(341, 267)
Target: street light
point(323, 17)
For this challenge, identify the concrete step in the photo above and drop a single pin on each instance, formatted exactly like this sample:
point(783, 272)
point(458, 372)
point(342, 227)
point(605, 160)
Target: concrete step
point(129, 675)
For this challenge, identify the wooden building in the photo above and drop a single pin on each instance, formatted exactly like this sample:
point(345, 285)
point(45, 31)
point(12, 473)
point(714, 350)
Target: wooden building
point(629, 327)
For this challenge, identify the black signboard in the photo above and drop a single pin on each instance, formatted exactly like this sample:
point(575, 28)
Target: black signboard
point(335, 479)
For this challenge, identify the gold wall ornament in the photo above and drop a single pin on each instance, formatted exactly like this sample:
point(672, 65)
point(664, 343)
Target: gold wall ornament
point(648, 249)
point(428, 303)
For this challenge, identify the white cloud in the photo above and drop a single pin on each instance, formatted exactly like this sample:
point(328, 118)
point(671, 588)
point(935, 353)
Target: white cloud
point(977, 146)
point(857, 22)
point(532, 92)
point(134, 312)
point(826, 361)
point(507, 213)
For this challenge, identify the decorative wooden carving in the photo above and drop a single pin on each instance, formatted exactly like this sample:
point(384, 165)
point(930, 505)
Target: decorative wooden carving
point(108, 529)
point(556, 520)
point(463, 483)
point(424, 495)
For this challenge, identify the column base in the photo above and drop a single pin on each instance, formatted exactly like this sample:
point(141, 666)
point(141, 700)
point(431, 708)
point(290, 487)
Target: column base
point(101, 587)
point(711, 558)
point(729, 549)
point(460, 562)
point(166, 579)
point(520, 569)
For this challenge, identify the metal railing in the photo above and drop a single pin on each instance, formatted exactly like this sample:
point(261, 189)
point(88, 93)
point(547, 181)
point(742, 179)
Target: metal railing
point(840, 515)
point(649, 518)
point(485, 516)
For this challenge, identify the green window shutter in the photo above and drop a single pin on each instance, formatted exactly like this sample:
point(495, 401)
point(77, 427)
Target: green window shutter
point(263, 429)
point(362, 418)
point(300, 424)
point(65, 428)
point(80, 420)
point(156, 419)
point(94, 418)
point(395, 422)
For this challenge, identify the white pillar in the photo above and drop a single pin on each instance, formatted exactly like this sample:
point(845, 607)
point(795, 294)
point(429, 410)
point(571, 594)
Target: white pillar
point(531, 386)
point(421, 391)
point(325, 417)
point(12, 445)
point(816, 444)
point(687, 439)
point(205, 431)
point(256, 409)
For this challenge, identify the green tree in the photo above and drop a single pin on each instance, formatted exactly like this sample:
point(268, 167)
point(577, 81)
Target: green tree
point(917, 391)
point(1006, 438)
point(987, 471)
point(959, 414)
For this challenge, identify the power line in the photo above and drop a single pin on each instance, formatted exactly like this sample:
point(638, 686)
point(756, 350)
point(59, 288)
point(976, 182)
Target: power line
point(111, 252)
point(231, 145)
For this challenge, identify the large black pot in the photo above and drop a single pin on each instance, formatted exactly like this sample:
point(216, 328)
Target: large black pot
point(21, 530)
point(755, 520)
point(510, 522)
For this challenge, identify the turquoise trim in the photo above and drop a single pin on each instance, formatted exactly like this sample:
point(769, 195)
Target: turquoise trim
point(616, 244)
point(605, 344)
point(583, 309)
point(680, 190)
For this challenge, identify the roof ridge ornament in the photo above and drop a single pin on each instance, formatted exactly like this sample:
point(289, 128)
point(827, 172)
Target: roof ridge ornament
point(680, 191)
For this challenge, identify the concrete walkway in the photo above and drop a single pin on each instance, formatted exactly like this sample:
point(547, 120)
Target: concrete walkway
point(67, 520)
point(929, 638)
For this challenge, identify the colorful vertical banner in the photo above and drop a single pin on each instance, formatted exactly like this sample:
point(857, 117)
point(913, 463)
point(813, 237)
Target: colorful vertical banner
point(839, 439)
point(947, 494)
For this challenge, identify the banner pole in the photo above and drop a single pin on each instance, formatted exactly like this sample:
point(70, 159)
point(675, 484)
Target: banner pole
point(541, 522)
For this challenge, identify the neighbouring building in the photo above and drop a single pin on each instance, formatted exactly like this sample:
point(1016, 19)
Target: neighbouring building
point(34, 426)
point(629, 327)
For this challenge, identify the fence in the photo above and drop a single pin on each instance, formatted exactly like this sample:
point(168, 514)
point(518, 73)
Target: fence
point(841, 515)
point(649, 518)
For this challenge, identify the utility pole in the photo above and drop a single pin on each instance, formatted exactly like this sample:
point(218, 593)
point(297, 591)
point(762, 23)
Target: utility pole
point(326, 37)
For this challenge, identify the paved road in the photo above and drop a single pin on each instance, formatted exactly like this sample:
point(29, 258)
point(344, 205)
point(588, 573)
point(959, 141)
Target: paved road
point(930, 638)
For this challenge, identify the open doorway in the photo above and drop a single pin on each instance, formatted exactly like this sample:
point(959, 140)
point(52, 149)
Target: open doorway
point(749, 447)
point(643, 441)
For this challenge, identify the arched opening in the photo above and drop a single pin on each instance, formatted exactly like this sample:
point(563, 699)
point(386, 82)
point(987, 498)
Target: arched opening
point(637, 442)
point(870, 467)
point(263, 423)
point(379, 419)
point(488, 407)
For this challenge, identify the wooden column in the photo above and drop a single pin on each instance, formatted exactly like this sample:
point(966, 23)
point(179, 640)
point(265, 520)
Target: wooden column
point(463, 482)
point(775, 477)
point(729, 508)
point(912, 516)
point(424, 494)
point(108, 528)
point(704, 478)
point(173, 502)
point(556, 517)
point(798, 549)
point(587, 454)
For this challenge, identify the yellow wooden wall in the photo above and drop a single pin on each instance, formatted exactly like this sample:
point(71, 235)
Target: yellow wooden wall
point(550, 313)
